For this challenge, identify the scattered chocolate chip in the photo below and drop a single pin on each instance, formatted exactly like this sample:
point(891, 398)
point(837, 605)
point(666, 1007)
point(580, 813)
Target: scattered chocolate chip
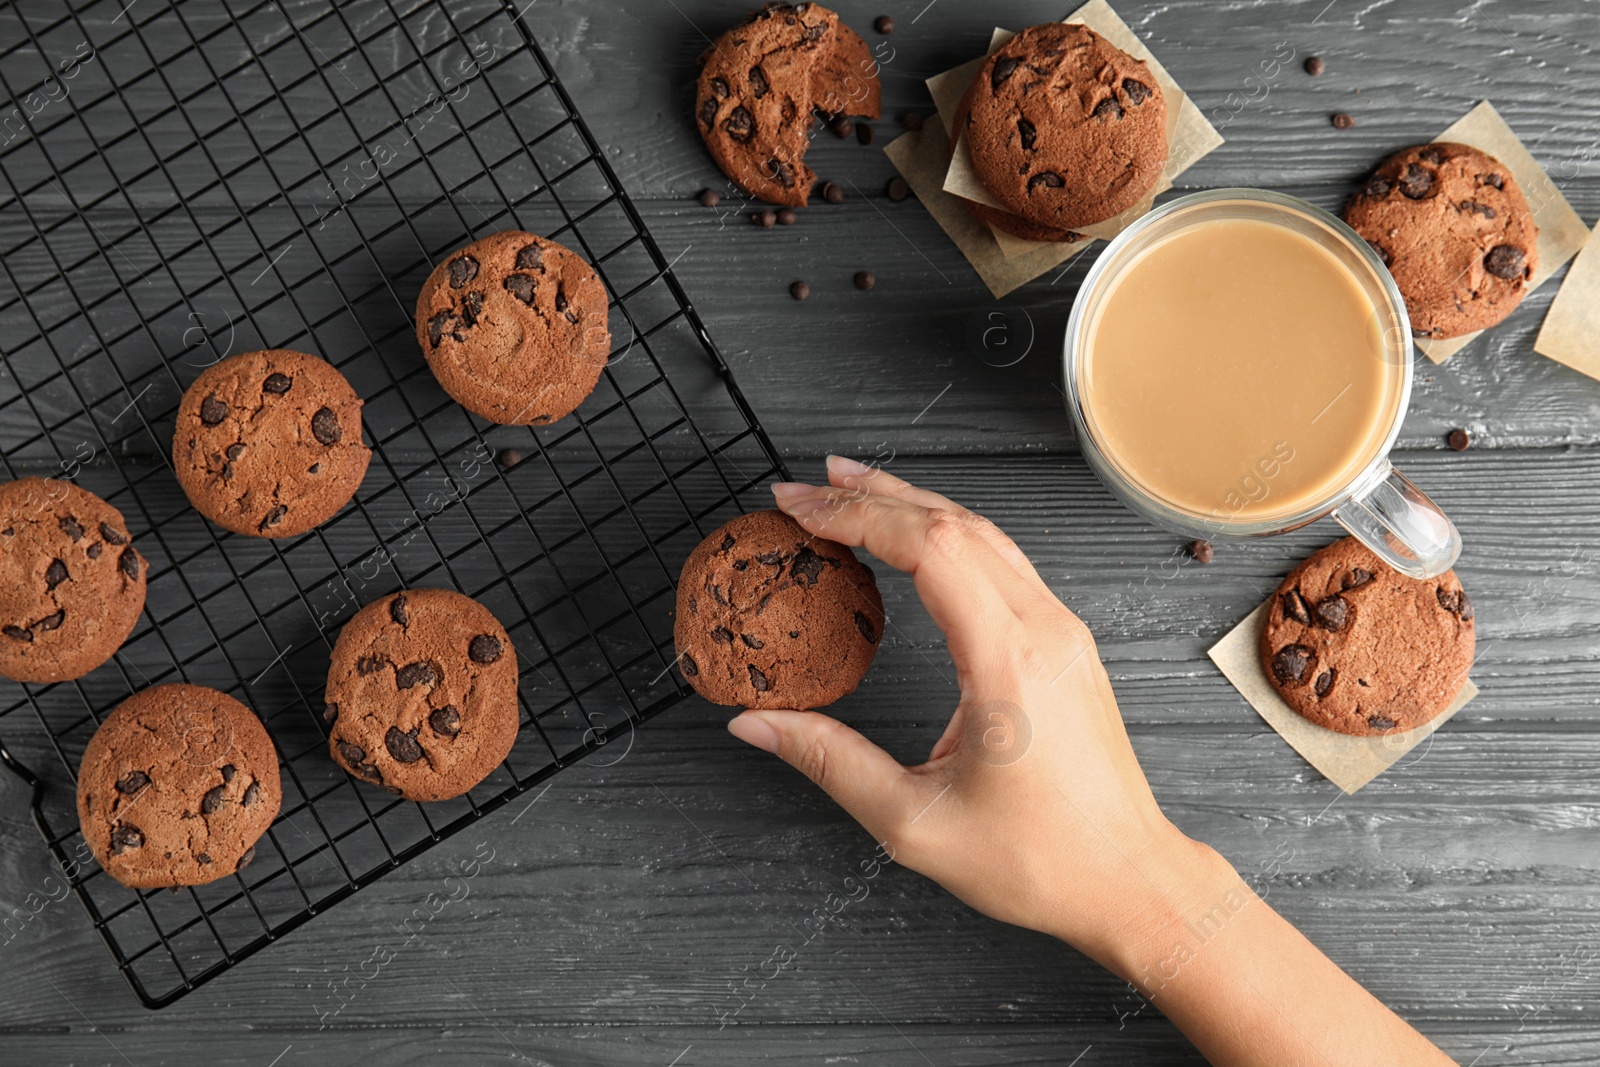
point(1004, 67)
point(51, 622)
point(883, 24)
point(1379, 722)
point(1315, 66)
point(244, 860)
point(521, 286)
point(70, 527)
point(765, 219)
point(55, 574)
point(17, 633)
point(690, 667)
point(325, 426)
point(787, 217)
point(1377, 187)
point(1415, 181)
point(807, 566)
point(1201, 551)
point(842, 127)
point(1332, 613)
point(832, 193)
point(128, 563)
point(401, 745)
point(897, 189)
point(1107, 109)
point(1343, 120)
point(273, 517)
point(125, 837)
point(758, 681)
point(911, 120)
point(1475, 208)
point(1325, 682)
point(1458, 440)
point(1357, 578)
point(740, 125)
point(531, 257)
point(722, 635)
point(485, 648)
point(212, 800)
point(212, 410)
point(1026, 131)
point(413, 674)
point(1138, 92)
point(864, 625)
point(371, 663)
point(445, 721)
point(132, 782)
point(710, 197)
point(1294, 607)
point(1048, 179)
point(758, 82)
point(509, 457)
point(112, 535)
point(1291, 663)
point(799, 290)
point(252, 793)
point(354, 755)
point(865, 279)
point(1504, 261)
point(865, 134)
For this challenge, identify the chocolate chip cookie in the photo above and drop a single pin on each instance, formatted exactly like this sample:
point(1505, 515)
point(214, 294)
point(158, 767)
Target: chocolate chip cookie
point(514, 327)
point(1453, 228)
point(1065, 128)
point(771, 617)
point(1004, 221)
point(422, 694)
point(71, 584)
point(759, 84)
point(176, 787)
point(269, 443)
point(1355, 646)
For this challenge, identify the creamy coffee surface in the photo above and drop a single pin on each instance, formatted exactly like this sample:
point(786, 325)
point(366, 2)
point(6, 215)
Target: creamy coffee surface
point(1236, 370)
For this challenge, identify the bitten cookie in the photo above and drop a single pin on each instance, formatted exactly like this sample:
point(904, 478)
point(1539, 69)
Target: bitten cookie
point(514, 327)
point(422, 694)
point(771, 617)
point(1354, 645)
point(71, 586)
point(1454, 230)
point(269, 443)
point(1004, 221)
point(759, 84)
point(1065, 128)
point(176, 787)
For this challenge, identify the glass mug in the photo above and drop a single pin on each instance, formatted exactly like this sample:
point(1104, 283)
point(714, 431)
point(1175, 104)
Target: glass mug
point(1374, 502)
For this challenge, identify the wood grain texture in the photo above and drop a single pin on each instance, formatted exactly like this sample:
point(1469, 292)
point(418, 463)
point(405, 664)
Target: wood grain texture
point(1462, 887)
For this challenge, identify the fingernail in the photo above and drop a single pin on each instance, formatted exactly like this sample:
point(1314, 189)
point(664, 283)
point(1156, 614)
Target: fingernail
point(791, 490)
point(844, 465)
point(754, 731)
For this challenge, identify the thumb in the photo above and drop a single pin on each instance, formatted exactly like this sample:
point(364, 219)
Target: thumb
point(865, 780)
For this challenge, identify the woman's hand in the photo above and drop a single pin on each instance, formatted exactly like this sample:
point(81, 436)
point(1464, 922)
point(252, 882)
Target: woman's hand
point(1031, 807)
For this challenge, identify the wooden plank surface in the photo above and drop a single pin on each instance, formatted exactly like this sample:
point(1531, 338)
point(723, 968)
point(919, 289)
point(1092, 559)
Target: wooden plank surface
point(1462, 887)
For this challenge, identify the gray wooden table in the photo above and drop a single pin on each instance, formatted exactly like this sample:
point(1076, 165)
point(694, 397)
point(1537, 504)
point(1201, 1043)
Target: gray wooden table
point(626, 905)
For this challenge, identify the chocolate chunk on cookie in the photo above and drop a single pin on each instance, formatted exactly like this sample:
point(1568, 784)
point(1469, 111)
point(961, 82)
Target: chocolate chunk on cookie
point(759, 84)
point(71, 584)
point(176, 787)
point(1065, 128)
point(514, 327)
point(769, 616)
point(422, 692)
point(1453, 228)
point(1355, 646)
point(269, 443)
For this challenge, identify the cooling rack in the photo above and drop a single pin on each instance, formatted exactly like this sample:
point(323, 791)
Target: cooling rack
point(183, 180)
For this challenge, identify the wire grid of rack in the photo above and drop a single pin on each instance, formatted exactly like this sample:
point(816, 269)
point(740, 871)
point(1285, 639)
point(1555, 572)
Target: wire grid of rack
point(193, 178)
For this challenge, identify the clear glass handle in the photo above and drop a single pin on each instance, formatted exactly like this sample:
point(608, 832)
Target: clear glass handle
point(1397, 521)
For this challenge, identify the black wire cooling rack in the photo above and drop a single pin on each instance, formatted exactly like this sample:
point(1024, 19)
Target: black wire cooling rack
point(182, 180)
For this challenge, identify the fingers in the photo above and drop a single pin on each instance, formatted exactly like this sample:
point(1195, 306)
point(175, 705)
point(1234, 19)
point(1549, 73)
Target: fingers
point(846, 473)
point(957, 575)
point(863, 778)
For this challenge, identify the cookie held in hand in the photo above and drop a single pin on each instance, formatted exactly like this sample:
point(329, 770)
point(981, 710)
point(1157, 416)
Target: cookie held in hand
point(1454, 230)
point(1353, 645)
point(770, 616)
